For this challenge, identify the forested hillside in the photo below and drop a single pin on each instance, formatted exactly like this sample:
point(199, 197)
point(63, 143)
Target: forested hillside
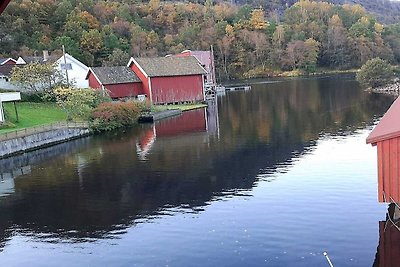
point(386, 11)
point(246, 41)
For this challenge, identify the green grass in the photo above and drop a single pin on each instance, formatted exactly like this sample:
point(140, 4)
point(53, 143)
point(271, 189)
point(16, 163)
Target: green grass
point(187, 107)
point(32, 114)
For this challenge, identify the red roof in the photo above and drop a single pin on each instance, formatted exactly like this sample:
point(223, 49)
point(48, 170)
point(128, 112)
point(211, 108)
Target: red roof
point(388, 127)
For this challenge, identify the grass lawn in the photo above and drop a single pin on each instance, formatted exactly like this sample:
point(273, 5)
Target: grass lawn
point(181, 107)
point(32, 114)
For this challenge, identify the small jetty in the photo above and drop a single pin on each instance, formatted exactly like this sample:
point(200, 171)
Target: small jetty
point(233, 88)
point(152, 117)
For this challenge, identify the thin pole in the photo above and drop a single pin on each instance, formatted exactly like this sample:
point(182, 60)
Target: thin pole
point(65, 65)
point(16, 111)
point(327, 258)
point(213, 65)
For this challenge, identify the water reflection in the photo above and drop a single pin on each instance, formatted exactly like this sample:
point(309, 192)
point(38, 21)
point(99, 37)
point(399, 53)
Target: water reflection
point(389, 239)
point(100, 187)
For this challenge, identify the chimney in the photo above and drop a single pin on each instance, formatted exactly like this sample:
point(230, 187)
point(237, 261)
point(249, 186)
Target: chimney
point(45, 55)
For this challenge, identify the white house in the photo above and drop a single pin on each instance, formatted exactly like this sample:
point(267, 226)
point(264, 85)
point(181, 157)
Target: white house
point(75, 69)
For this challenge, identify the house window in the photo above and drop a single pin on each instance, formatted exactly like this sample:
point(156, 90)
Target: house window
point(67, 66)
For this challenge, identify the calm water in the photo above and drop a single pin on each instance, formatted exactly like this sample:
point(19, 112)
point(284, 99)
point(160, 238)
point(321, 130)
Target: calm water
point(269, 177)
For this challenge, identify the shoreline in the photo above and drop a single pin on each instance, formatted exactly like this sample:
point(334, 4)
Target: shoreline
point(37, 137)
point(392, 89)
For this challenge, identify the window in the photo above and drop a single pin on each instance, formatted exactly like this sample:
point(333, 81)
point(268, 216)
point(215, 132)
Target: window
point(67, 66)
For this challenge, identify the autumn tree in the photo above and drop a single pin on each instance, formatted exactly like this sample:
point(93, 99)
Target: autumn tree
point(257, 20)
point(36, 77)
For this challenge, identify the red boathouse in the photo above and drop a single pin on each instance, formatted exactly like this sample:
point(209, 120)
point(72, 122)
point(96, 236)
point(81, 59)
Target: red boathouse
point(119, 82)
point(170, 79)
point(3, 5)
point(386, 136)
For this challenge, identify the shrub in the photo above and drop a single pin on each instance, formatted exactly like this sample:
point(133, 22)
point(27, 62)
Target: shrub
point(110, 116)
point(375, 72)
point(78, 103)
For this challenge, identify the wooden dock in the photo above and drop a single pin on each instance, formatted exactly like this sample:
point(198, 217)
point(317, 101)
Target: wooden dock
point(152, 117)
point(238, 88)
point(233, 88)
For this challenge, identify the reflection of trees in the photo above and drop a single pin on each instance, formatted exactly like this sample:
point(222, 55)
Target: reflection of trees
point(89, 202)
point(298, 110)
point(106, 187)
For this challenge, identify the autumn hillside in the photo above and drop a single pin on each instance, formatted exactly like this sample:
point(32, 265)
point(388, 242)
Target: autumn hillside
point(248, 42)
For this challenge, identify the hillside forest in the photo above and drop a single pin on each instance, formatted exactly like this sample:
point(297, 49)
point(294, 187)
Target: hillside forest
point(247, 41)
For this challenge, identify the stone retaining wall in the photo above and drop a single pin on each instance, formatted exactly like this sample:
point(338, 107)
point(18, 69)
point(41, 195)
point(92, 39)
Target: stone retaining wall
point(38, 140)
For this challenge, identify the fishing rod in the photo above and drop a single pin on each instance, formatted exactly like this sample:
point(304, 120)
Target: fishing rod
point(327, 258)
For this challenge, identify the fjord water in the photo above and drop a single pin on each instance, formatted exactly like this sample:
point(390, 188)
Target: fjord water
point(274, 176)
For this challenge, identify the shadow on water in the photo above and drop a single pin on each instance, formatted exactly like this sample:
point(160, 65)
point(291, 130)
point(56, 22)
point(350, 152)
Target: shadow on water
point(98, 187)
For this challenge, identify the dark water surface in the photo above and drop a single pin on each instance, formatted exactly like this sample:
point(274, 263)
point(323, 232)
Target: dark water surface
point(269, 177)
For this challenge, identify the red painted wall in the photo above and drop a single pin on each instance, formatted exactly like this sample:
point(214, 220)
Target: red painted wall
point(93, 82)
point(117, 90)
point(10, 62)
point(177, 89)
point(189, 122)
point(389, 170)
point(143, 78)
point(124, 89)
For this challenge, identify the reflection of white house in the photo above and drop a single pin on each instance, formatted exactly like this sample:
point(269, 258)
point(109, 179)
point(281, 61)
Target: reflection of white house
point(7, 97)
point(76, 71)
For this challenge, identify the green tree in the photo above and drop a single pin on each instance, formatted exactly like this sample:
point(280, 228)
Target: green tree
point(78, 103)
point(375, 72)
point(117, 58)
point(36, 77)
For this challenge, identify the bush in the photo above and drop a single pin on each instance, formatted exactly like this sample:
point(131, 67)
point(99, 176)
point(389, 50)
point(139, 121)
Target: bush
point(376, 72)
point(110, 116)
point(78, 103)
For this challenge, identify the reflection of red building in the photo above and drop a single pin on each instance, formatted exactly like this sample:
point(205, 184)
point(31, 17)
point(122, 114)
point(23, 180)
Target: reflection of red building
point(189, 122)
point(389, 242)
point(145, 142)
point(386, 136)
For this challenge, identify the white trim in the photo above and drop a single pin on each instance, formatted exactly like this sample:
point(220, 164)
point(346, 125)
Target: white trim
point(8, 59)
point(20, 61)
point(132, 60)
point(7, 97)
point(204, 88)
point(150, 90)
point(94, 74)
point(71, 58)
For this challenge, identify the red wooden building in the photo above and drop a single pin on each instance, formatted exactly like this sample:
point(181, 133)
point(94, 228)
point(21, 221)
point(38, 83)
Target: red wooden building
point(206, 59)
point(119, 82)
point(386, 136)
point(3, 5)
point(7, 61)
point(170, 79)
